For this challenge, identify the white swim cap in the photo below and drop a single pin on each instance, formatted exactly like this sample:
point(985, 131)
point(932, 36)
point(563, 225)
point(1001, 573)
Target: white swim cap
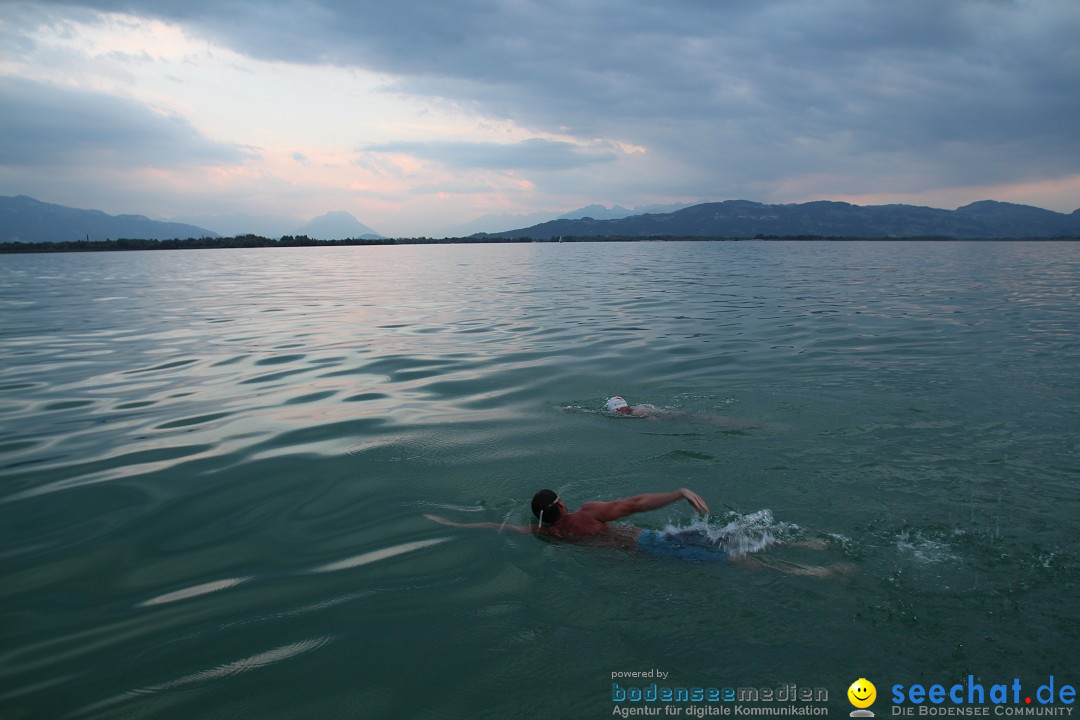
point(613, 404)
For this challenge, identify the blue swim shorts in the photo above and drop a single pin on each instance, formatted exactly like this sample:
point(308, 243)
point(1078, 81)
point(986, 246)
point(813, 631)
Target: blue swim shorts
point(688, 545)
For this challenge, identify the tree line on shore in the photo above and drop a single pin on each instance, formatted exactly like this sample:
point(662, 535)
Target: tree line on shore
point(256, 241)
point(208, 243)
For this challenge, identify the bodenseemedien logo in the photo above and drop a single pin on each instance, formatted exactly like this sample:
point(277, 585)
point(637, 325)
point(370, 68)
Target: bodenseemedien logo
point(861, 694)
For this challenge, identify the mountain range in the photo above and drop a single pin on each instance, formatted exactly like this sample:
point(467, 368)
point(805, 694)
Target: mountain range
point(501, 222)
point(745, 219)
point(24, 219)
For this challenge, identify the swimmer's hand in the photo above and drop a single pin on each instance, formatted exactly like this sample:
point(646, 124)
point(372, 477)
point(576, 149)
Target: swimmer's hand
point(695, 500)
point(441, 520)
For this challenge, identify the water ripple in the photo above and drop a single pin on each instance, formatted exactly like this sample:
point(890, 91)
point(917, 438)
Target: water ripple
point(194, 591)
point(377, 555)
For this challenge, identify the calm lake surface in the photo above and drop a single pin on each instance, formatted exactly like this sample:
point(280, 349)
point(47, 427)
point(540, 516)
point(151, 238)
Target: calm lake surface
point(215, 466)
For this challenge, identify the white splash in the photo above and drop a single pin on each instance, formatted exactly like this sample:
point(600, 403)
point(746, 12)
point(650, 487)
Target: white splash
point(923, 548)
point(738, 534)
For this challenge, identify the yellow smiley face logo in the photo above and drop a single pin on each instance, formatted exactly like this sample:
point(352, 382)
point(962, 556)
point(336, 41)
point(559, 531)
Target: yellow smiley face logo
point(862, 693)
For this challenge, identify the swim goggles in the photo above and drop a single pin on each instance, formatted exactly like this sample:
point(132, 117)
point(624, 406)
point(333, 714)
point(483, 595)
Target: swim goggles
point(540, 517)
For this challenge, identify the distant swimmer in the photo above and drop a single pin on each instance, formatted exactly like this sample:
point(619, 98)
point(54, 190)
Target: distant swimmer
point(618, 406)
point(588, 525)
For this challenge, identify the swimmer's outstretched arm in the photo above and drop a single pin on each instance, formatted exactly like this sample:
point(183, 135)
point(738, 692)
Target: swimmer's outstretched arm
point(501, 527)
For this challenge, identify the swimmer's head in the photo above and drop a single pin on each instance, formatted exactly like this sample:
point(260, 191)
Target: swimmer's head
point(545, 506)
point(615, 404)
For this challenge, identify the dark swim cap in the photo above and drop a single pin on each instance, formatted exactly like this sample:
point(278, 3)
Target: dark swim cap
point(543, 506)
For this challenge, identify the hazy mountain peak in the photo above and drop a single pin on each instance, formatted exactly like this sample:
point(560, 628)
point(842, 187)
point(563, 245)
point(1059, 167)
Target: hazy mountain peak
point(597, 211)
point(336, 225)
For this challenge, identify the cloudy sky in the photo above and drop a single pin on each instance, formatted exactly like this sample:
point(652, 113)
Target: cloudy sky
point(416, 116)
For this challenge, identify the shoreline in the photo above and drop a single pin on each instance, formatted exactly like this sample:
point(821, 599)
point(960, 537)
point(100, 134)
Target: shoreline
point(254, 241)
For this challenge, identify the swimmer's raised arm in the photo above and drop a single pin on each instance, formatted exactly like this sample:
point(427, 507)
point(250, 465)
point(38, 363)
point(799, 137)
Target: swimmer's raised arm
point(501, 527)
point(607, 511)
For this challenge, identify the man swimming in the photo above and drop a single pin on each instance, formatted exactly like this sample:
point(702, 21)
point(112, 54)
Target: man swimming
point(588, 525)
point(618, 406)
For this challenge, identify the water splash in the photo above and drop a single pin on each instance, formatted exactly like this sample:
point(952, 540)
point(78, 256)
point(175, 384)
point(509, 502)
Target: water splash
point(923, 548)
point(738, 534)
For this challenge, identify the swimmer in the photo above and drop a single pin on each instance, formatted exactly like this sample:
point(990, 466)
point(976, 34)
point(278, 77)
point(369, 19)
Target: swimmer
point(618, 406)
point(588, 525)
point(590, 521)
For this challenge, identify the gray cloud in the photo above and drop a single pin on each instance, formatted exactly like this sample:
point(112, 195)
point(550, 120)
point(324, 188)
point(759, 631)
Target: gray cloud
point(51, 125)
point(741, 94)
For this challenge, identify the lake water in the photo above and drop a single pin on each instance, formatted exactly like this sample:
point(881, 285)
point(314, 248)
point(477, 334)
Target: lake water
point(215, 466)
